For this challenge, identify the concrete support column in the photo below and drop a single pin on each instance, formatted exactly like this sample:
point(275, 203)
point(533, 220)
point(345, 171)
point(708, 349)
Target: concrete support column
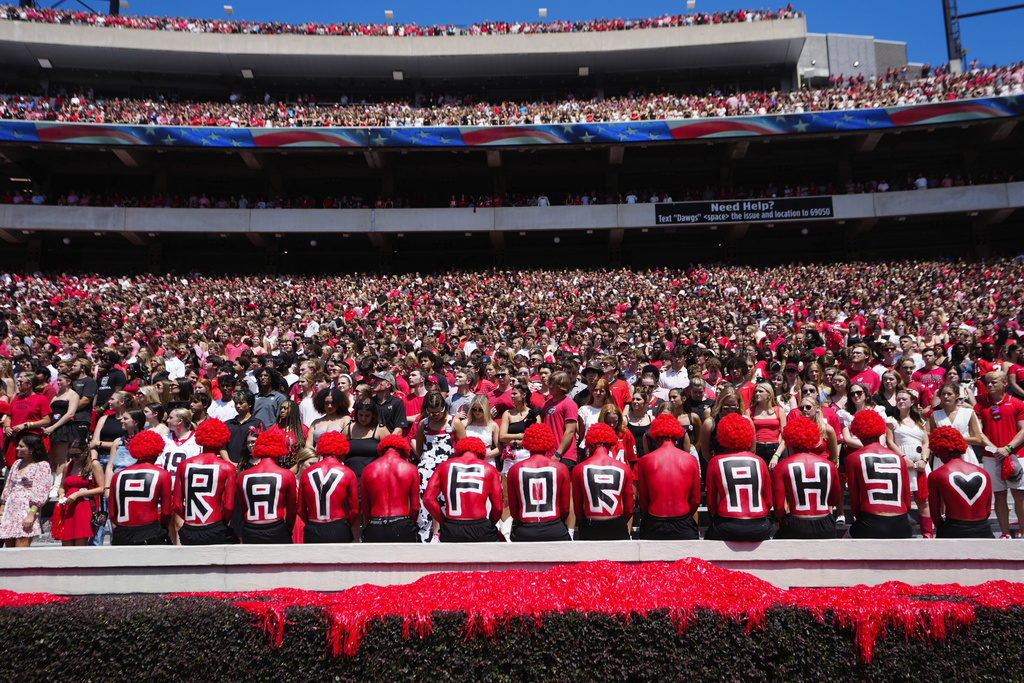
point(156, 257)
point(34, 256)
point(272, 255)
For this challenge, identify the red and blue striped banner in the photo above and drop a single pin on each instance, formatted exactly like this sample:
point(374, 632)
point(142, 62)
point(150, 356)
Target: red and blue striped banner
point(522, 135)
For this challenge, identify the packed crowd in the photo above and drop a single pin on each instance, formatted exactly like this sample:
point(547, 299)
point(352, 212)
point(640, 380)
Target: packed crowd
point(856, 92)
point(77, 17)
point(203, 200)
point(88, 363)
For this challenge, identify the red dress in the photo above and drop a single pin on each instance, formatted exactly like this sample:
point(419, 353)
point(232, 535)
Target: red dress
point(77, 514)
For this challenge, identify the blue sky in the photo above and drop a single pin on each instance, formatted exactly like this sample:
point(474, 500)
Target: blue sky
point(991, 39)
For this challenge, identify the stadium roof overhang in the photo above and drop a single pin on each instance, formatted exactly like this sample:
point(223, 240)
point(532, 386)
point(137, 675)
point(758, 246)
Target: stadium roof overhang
point(771, 44)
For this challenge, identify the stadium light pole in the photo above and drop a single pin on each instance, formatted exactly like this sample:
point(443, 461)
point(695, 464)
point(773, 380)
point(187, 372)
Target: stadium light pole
point(952, 17)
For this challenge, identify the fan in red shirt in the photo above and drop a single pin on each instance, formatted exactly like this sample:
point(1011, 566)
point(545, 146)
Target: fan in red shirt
point(964, 489)
point(805, 486)
point(538, 491)
point(390, 500)
point(267, 493)
point(328, 500)
point(204, 494)
point(471, 491)
point(876, 478)
point(602, 490)
point(140, 496)
point(739, 491)
point(668, 484)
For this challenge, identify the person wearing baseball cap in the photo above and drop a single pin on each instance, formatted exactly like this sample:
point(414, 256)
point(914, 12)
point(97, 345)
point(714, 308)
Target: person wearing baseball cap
point(390, 408)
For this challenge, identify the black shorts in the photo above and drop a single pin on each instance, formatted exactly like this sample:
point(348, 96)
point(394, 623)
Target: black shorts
point(266, 534)
point(148, 534)
point(868, 525)
point(681, 528)
point(766, 450)
point(602, 529)
point(391, 530)
point(468, 531)
point(553, 530)
point(959, 528)
point(83, 429)
point(217, 533)
point(793, 527)
point(569, 465)
point(338, 531)
point(746, 530)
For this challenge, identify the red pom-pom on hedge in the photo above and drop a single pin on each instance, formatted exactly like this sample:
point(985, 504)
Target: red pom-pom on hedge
point(146, 446)
point(471, 444)
point(332, 443)
point(396, 442)
point(666, 427)
point(212, 434)
point(270, 445)
point(601, 434)
point(801, 435)
point(867, 424)
point(947, 441)
point(735, 432)
point(538, 439)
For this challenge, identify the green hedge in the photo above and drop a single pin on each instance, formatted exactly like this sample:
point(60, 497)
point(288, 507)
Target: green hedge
point(159, 639)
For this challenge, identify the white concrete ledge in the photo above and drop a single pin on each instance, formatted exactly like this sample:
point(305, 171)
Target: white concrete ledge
point(951, 201)
point(83, 571)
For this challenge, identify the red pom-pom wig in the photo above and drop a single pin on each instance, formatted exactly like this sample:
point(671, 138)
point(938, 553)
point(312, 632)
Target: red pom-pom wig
point(801, 435)
point(212, 434)
point(947, 441)
point(601, 434)
point(538, 439)
point(146, 446)
point(471, 444)
point(332, 443)
point(666, 427)
point(396, 442)
point(270, 444)
point(867, 425)
point(735, 432)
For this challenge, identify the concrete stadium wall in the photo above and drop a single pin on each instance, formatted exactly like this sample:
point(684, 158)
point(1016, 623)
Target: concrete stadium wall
point(83, 571)
point(956, 200)
point(36, 35)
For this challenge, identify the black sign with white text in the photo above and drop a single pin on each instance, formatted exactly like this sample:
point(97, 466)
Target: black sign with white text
point(743, 211)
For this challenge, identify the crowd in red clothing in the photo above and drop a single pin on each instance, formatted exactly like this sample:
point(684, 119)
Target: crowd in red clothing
point(818, 341)
point(77, 17)
point(78, 105)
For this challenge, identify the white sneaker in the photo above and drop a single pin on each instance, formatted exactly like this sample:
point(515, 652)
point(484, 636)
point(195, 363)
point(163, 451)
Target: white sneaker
point(841, 519)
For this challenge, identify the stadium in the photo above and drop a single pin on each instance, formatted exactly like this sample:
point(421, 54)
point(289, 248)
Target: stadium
point(831, 154)
point(704, 201)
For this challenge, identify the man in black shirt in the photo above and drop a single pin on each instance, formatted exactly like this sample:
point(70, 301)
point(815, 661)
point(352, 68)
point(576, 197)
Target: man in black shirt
point(85, 386)
point(240, 425)
point(390, 407)
point(109, 379)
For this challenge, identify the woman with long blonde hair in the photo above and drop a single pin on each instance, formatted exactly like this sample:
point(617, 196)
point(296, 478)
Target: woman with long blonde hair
point(769, 421)
point(810, 408)
point(479, 423)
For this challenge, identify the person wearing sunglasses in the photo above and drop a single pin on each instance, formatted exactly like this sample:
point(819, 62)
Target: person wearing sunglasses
point(478, 423)
point(500, 398)
point(1002, 428)
point(434, 444)
point(813, 411)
